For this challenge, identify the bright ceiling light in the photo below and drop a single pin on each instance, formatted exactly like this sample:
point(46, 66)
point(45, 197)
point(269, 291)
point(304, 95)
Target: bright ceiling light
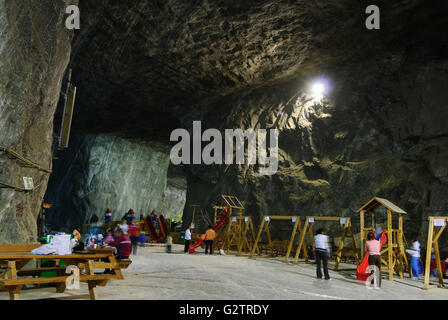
point(318, 90)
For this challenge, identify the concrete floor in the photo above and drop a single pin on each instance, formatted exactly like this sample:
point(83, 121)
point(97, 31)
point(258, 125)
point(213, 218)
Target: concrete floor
point(156, 275)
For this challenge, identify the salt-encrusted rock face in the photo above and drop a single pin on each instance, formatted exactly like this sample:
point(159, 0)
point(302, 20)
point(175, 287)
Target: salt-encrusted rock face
point(372, 136)
point(99, 172)
point(34, 52)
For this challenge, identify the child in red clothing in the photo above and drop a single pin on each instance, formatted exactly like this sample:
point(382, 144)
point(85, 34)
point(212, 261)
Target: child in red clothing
point(134, 234)
point(123, 245)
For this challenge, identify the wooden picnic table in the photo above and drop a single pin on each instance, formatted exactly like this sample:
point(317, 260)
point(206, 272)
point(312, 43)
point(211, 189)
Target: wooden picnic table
point(13, 275)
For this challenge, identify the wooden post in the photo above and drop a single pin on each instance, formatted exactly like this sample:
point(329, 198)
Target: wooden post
point(390, 245)
point(243, 238)
point(301, 241)
point(310, 232)
point(428, 252)
point(11, 274)
point(268, 234)
point(291, 240)
point(355, 250)
point(439, 267)
point(400, 242)
point(91, 284)
point(255, 246)
point(341, 246)
point(253, 235)
point(361, 223)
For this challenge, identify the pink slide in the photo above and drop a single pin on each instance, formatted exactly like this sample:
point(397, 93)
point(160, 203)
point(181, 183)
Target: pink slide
point(223, 220)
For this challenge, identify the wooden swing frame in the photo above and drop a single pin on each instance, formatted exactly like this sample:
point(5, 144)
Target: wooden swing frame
point(308, 229)
point(240, 232)
point(395, 237)
point(433, 240)
point(264, 227)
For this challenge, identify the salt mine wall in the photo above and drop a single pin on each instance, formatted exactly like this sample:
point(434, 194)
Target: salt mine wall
point(145, 68)
point(99, 171)
point(380, 132)
point(34, 53)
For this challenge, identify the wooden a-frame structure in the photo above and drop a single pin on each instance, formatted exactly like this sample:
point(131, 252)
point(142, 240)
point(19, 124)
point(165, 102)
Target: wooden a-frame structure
point(346, 232)
point(230, 203)
point(239, 235)
point(264, 227)
point(433, 240)
point(395, 237)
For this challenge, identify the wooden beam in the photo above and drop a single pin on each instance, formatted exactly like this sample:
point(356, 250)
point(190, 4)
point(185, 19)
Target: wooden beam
point(301, 241)
point(362, 235)
point(428, 252)
point(291, 239)
point(389, 245)
point(18, 247)
point(255, 246)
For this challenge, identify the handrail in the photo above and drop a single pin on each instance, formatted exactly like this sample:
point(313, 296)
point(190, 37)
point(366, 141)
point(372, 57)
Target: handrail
point(22, 158)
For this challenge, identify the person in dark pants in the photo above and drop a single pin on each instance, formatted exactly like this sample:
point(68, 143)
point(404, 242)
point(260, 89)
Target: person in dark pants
point(373, 247)
point(187, 240)
point(210, 235)
point(322, 250)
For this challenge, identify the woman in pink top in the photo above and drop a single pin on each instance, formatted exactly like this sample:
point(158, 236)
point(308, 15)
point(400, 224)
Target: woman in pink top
point(373, 247)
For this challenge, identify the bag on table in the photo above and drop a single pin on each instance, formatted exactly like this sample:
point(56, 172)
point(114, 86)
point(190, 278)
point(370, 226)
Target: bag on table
point(45, 249)
point(62, 243)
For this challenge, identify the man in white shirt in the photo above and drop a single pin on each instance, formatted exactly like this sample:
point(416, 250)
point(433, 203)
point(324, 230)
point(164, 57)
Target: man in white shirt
point(187, 240)
point(322, 248)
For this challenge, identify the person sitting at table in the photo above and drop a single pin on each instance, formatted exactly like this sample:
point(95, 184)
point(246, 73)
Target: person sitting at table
point(109, 238)
point(123, 245)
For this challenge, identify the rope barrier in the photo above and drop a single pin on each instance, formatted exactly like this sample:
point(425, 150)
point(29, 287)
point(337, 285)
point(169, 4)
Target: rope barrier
point(23, 159)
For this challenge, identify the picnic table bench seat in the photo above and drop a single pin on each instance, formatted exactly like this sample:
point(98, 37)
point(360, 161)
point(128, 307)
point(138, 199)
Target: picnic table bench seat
point(14, 257)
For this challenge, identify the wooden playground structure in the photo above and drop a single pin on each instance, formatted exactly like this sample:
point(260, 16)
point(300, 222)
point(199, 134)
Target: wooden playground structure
point(308, 230)
point(276, 247)
point(239, 235)
point(433, 241)
point(394, 248)
point(238, 231)
point(229, 203)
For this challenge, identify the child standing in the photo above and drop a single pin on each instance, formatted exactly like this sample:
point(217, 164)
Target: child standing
point(134, 234)
point(169, 243)
point(415, 257)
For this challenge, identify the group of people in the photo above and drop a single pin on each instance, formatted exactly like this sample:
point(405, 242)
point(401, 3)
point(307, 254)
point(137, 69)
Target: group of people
point(373, 247)
point(209, 237)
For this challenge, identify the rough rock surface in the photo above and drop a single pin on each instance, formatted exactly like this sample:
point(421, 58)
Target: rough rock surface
point(99, 172)
point(380, 130)
point(34, 52)
point(144, 68)
point(372, 136)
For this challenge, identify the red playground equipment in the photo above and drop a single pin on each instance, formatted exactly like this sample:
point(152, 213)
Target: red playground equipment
point(222, 221)
point(151, 229)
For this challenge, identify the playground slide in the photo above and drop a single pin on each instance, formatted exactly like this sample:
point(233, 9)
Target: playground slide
point(221, 222)
point(361, 270)
point(163, 227)
point(151, 229)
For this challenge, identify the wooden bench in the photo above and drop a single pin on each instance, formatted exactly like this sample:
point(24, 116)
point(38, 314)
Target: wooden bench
point(14, 257)
point(124, 263)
